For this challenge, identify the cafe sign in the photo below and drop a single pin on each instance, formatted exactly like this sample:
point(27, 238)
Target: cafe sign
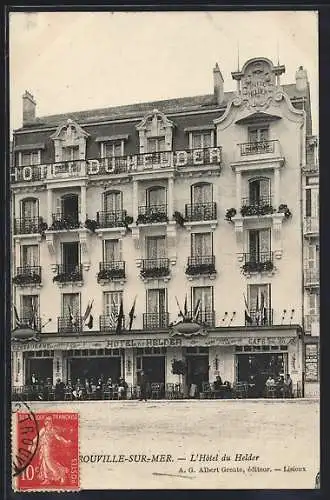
point(119, 165)
point(154, 342)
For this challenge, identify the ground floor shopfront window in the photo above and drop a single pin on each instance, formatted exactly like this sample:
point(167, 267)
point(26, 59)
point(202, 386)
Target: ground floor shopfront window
point(39, 366)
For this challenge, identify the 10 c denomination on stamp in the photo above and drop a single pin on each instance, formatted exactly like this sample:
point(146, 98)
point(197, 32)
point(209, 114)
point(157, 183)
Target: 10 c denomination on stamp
point(54, 464)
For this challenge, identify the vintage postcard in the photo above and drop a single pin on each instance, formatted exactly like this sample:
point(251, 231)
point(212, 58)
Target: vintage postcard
point(164, 182)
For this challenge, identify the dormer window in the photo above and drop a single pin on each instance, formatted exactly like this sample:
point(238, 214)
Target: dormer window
point(28, 158)
point(201, 140)
point(155, 133)
point(258, 134)
point(155, 144)
point(111, 149)
point(70, 142)
point(70, 153)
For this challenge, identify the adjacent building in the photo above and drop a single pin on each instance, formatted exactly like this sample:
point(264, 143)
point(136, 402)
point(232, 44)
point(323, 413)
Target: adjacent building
point(178, 230)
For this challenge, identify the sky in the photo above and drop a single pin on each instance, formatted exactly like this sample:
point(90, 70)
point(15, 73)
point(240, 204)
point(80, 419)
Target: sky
point(74, 61)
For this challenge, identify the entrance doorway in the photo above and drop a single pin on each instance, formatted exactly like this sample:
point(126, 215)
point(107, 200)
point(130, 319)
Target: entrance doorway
point(257, 368)
point(69, 207)
point(41, 367)
point(154, 368)
point(197, 371)
point(94, 368)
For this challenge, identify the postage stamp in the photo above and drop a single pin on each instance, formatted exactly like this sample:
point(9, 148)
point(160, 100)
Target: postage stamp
point(47, 456)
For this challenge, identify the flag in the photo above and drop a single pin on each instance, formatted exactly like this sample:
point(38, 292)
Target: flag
point(88, 318)
point(17, 320)
point(120, 317)
point(185, 307)
point(131, 314)
point(88, 311)
point(33, 319)
point(71, 318)
point(258, 311)
point(248, 318)
point(180, 312)
point(262, 309)
point(196, 310)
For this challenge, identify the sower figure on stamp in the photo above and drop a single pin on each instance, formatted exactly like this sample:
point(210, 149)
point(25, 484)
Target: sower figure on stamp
point(143, 386)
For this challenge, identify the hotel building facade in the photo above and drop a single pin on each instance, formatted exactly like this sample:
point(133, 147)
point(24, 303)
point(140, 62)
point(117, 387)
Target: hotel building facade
point(203, 204)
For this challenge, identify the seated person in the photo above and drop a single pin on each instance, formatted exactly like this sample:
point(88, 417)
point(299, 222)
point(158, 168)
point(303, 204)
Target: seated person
point(122, 389)
point(99, 387)
point(78, 390)
point(270, 382)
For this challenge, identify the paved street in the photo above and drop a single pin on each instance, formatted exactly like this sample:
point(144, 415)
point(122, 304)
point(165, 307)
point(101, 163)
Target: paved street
point(282, 434)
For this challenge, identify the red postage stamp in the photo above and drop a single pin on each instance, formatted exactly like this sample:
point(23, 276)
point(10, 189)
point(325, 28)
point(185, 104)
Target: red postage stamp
point(47, 456)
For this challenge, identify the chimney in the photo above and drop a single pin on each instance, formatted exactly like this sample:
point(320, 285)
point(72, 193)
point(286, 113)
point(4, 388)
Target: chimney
point(301, 79)
point(29, 108)
point(218, 84)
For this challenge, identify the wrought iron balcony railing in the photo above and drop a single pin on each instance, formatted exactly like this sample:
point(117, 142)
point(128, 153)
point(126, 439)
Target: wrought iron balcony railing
point(63, 222)
point(30, 321)
point(155, 268)
point(27, 275)
point(68, 273)
point(111, 270)
point(108, 323)
point(262, 317)
point(311, 225)
point(69, 325)
point(200, 212)
point(259, 206)
point(312, 277)
point(29, 225)
point(155, 320)
point(204, 264)
point(204, 316)
point(258, 262)
point(256, 148)
point(111, 219)
point(152, 213)
point(198, 158)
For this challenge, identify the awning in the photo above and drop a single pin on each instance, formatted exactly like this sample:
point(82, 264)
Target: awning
point(29, 147)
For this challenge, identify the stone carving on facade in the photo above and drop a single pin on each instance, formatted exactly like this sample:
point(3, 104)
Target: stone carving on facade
point(187, 328)
point(69, 134)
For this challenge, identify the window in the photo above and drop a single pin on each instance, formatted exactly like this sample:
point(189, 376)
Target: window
point(258, 134)
point(112, 148)
point(29, 255)
point(200, 140)
point(259, 191)
point(156, 247)
point(70, 153)
point(156, 301)
point(111, 303)
point(259, 297)
point(70, 256)
point(312, 202)
point(29, 158)
point(29, 307)
point(29, 208)
point(70, 305)
point(313, 304)
point(156, 144)
point(112, 201)
point(201, 244)
point(259, 245)
point(111, 251)
point(312, 257)
point(202, 295)
point(201, 193)
point(156, 196)
point(67, 207)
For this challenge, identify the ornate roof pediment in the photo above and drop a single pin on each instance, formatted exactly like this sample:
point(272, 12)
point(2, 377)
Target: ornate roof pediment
point(155, 122)
point(69, 132)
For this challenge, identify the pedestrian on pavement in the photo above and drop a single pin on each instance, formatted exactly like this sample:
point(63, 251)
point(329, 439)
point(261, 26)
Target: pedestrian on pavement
point(143, 386)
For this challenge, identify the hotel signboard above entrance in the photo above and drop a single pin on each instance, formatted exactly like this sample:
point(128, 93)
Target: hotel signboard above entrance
point(120, 343)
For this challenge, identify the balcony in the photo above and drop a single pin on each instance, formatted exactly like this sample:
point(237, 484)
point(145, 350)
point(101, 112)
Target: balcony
point(68, 273)
point(257, 155)
point(207, 159)
point(259, 318)
point(65, 222)
point(111, 219)
point(257, 148)
point(28, 322)
point(312, 278)
point(260, 207)
point(114, 270)
point(311, 169)
point(201, 212)
point(311, 227)
point(68, 325)
point(205, 317)
point(204, 264)
point(108, 323)
point(27, 275)
point(258, 262)
point(152, 214)
point(32, 225)
point(155, 320)
point(155, 268)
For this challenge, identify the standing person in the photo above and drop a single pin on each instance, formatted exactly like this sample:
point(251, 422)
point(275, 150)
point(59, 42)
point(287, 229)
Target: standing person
point(143, 386)
point(59, 390)
point(288, 386)
point(122, 388)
